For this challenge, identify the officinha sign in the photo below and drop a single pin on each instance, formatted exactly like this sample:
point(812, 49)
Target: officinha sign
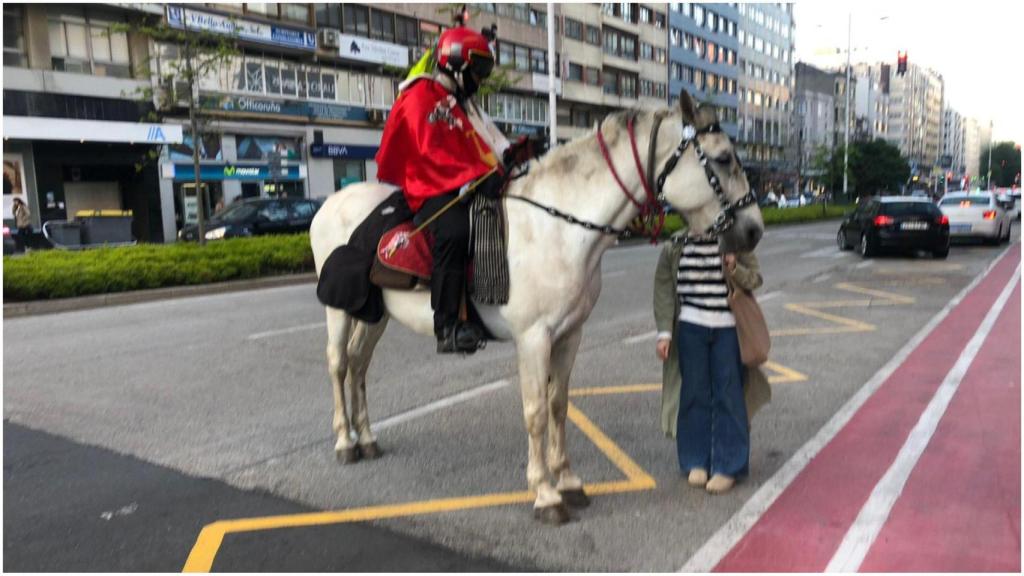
point(192, 19)
point(290, 108)
point(209, 173)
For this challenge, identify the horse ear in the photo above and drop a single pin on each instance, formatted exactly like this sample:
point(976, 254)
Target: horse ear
point(688, 107)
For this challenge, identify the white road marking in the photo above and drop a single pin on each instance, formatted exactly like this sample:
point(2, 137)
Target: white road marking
point(769, 296)
point(283, 331)
point(864, 264)
point(640, 338)
point(820, 252)
point(821, 278)
point(123, 511)
point(712, 552)
point(864, 530)
point(839, 255)
point(441, 404)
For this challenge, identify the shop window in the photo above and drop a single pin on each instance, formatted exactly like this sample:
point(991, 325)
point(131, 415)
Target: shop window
point(265, 148)
point(356, 19)
point(347, 171)
point(210, 148)
point(14, 36)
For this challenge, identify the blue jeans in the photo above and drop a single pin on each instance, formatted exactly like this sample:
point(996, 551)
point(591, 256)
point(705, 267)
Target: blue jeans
point(712, 430)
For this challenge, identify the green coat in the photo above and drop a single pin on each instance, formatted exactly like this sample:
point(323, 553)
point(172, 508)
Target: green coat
point(747, 275)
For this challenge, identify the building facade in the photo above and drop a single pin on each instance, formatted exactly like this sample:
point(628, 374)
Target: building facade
point(915, 121)
point(817, 121)
point(871, 100)
point(953, 157)
point(766, 78)
point(75, 135)
point(704, 56)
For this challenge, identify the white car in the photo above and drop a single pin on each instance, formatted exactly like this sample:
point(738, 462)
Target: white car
point(976, 215)
point(1011, 205)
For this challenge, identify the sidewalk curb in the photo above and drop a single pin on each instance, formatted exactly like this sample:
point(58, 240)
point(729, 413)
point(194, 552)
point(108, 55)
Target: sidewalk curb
point(38, 307)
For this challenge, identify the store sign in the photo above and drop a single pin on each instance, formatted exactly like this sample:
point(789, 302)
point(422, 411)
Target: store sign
point(375, 51)
point(191, 19)
point(521, 129)
point(342, 151)
point(207, 173)
point(38, 128)
point(295, 108)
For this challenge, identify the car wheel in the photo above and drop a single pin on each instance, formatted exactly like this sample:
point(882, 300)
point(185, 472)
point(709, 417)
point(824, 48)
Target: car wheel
point(867, 246)
point(1006, 238)
point(841, 241)
point(943, 252)
point(996, 239)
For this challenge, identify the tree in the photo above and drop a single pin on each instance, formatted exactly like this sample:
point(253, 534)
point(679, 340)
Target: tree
point(1005, 164)
point(829, 166)
point(877, 167)
point(189, 56)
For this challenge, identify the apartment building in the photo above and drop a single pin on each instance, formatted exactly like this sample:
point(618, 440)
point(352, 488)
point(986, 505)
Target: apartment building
point(953, 159)
point(766, 78)
point(915, 120)
point(74, 132)
point(818, 118)
point(703, 56)
point(871, 100)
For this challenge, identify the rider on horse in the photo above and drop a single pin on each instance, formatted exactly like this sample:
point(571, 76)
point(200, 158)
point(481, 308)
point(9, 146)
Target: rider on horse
point(439, 145)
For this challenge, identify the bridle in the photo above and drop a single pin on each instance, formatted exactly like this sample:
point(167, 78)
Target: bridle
point(651, 206)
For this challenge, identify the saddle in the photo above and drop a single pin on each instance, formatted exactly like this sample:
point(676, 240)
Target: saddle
point(383, 253)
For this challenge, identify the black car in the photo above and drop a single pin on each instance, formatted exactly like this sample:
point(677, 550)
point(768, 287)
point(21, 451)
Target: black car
point(257, 217)
point(898, 223)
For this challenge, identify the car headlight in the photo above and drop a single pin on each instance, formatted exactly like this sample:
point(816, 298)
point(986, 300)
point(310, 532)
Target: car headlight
point(216, 233)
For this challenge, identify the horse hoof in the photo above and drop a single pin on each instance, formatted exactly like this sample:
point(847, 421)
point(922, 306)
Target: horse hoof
point(371, 451)
point(347, 455)
point(555, 515)
point(575, 498)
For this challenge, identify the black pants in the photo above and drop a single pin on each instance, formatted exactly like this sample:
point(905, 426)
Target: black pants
point(451, 250)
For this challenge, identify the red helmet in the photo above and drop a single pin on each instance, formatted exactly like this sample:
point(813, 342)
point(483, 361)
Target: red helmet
point(460, 49)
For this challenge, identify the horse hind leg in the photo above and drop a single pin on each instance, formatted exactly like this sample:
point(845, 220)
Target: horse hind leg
point(339, 326)
point(360, 351)
point(563, 357)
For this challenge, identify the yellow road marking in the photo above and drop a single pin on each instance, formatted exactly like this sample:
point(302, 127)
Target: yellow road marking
point(210, 538)
point(841, 324)
point(920, 268)
point(783, 374)
point(602, 390)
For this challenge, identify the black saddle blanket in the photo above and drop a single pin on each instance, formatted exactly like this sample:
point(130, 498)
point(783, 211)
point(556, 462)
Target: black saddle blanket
point(345, 276)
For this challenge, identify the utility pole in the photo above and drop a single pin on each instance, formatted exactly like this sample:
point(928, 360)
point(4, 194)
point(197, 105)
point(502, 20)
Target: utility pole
point(988, 179)
point(552, 106)
point(846, 147)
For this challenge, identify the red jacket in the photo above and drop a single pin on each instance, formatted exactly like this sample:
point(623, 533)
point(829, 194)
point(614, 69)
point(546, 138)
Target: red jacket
point(429, 147)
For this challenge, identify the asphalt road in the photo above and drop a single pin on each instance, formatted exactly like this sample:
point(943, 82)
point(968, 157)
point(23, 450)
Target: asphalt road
point(227, 398)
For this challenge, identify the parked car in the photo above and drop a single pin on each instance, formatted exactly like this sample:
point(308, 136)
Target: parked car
point(8, 241)
point(1010, 205)
point(896, 223)
point(976, 215)
point(257, 217)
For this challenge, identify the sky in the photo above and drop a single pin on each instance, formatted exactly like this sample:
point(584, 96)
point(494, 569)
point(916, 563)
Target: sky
point(976, 46)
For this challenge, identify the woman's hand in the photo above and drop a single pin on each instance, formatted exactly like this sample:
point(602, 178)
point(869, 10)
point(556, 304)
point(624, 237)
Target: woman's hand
point(662, 348)
point(730, 261)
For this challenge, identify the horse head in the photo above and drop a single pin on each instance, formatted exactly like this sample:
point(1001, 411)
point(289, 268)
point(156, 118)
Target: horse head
point(707, 156)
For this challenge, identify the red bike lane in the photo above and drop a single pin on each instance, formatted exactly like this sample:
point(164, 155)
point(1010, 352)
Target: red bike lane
point(803, 528)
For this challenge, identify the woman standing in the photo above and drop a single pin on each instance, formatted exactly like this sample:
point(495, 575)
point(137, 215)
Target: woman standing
point(23, 222)
point(708, 395)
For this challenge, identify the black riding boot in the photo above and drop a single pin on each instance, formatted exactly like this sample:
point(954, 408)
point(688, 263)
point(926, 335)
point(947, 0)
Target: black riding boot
point(448, 276)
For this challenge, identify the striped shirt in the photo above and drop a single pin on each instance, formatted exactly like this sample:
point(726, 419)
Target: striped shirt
point(701, 286)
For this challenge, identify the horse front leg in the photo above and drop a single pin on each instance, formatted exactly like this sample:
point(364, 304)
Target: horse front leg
point(563, 357)
point(534, 350)
point(360, 352)
point(339, 325)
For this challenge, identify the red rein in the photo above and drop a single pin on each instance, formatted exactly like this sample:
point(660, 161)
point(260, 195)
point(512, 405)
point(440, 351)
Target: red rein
point(651, 206)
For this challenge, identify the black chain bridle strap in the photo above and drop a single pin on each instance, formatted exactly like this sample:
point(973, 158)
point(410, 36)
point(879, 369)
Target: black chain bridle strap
point(602, 228)
point(727, 216)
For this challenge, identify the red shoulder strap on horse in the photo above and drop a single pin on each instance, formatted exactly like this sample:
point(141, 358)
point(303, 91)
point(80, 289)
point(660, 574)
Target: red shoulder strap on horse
point(608, 161)
point(652, 199)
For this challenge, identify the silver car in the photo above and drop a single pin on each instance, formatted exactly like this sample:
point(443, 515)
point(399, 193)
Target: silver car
point(976, 215)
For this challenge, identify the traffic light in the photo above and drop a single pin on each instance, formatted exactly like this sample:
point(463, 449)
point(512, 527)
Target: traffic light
point(901, 63)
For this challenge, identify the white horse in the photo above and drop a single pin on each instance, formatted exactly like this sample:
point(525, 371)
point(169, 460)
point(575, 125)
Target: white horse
point(555, 272)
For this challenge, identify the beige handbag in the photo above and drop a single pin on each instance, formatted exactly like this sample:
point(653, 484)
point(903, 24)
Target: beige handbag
point(751, 328)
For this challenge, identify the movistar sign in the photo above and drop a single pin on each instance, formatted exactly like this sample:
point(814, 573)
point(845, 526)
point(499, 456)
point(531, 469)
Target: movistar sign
point(186, 172)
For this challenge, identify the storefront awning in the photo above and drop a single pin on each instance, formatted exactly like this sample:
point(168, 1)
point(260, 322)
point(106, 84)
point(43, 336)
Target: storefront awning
point(38, 128)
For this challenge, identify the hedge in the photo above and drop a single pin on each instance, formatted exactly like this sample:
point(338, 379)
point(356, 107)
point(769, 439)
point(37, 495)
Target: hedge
point(46, 274)
point(774, 216)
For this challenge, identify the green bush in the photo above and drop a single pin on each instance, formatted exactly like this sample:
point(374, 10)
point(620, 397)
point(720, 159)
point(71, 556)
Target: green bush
point(773, 216)
point(42, 275)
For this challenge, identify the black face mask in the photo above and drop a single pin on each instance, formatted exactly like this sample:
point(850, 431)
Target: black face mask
point(469, 84)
